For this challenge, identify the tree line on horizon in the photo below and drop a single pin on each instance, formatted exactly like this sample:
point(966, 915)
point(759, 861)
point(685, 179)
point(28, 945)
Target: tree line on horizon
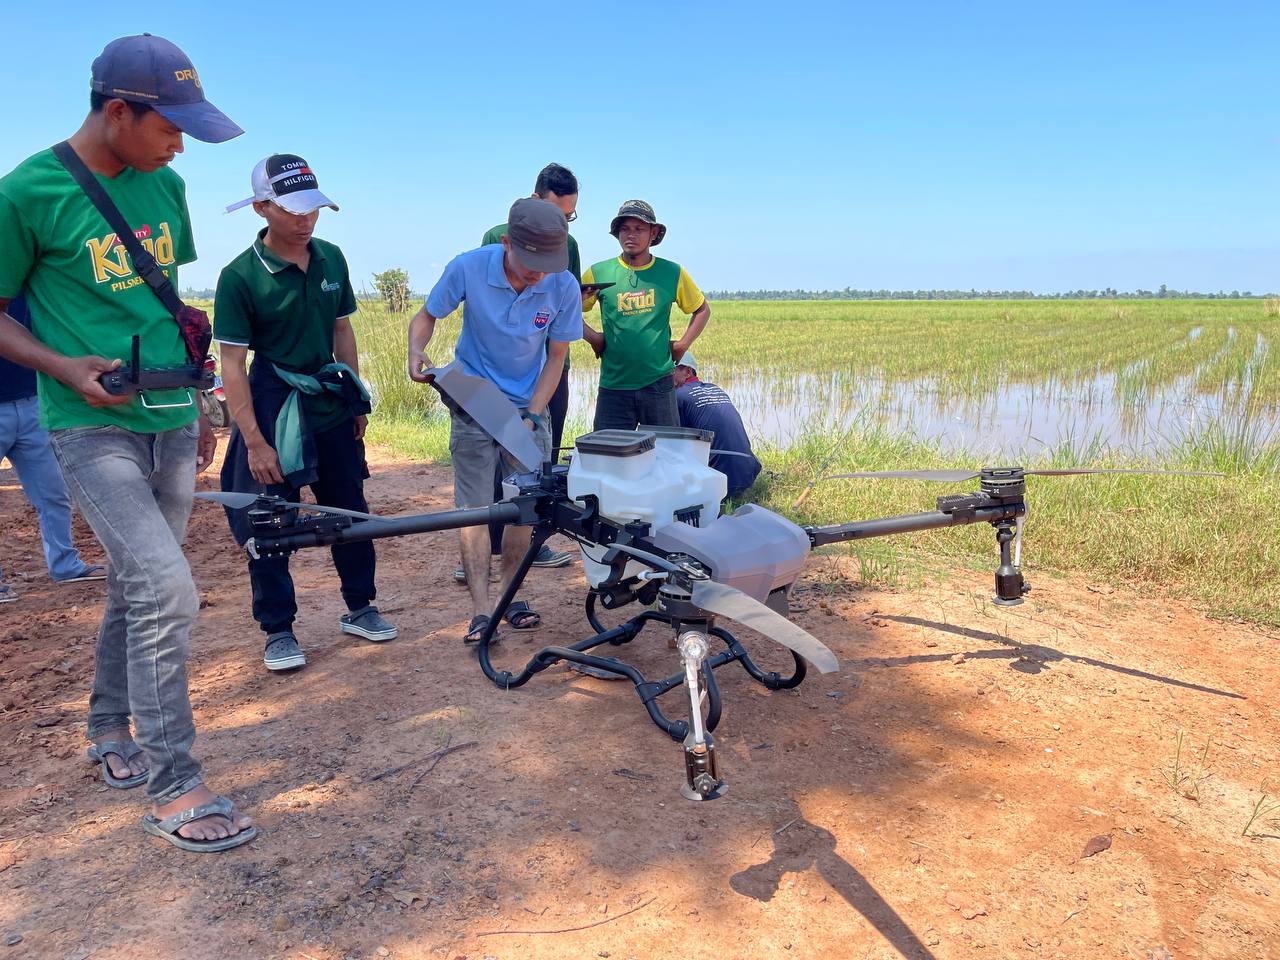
point(1109, 293)
point(848, 293)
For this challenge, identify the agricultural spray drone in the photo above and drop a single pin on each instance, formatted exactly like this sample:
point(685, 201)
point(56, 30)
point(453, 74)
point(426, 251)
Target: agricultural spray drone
point(644, 507)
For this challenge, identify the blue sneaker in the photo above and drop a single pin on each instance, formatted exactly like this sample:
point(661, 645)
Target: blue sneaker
point(283, 652)
point(368, 623)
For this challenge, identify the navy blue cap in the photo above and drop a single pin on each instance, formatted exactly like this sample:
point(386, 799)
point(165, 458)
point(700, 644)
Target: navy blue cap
point(151, 70)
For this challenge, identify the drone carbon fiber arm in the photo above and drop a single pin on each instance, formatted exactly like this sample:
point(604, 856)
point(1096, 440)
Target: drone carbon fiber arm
point(326, 530)
point(968, 512)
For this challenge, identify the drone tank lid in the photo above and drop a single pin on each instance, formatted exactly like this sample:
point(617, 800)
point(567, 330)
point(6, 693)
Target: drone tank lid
point(616, 443)
point(678, 433)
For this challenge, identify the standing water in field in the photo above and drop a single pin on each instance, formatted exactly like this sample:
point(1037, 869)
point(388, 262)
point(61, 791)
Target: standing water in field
point(1183, 393)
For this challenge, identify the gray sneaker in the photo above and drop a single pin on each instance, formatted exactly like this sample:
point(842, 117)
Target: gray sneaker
point(551, 558)
point(283, 652)
point(368, 623)
point(6, 593)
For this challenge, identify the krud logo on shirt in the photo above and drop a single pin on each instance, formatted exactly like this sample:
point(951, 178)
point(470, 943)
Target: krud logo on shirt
point(111, 261)
point(635, 300)
point(541, 319)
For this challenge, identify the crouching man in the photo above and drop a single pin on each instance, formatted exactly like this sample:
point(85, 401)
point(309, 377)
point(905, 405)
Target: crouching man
point(300, 411)
point(521, 310)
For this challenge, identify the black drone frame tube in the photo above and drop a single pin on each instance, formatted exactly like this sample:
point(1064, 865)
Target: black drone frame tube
point(911, 522)
point(400, 527)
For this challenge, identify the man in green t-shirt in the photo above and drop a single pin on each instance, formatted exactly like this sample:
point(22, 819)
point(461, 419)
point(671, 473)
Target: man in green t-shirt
point(130, 466)
point(635, 345)
point(288, 298)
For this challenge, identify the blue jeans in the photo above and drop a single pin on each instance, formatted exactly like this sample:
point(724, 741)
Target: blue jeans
point(135, 491)
point(26, 444)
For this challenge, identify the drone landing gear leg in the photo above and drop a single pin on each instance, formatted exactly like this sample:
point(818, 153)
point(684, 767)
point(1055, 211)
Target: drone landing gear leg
point(539, 536)
point(773, 680)
point(701, 781)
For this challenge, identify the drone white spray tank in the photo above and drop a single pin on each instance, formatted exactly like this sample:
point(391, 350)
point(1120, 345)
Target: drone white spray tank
point(656, 475)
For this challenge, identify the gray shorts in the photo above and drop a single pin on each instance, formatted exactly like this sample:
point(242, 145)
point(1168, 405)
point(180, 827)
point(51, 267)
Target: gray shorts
point(476, 457)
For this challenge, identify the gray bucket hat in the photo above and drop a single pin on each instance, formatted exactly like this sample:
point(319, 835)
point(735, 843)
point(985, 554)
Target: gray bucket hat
point(640, 211)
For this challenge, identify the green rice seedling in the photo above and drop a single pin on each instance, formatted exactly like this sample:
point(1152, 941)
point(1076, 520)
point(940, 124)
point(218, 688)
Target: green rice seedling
point(1182, 780)
point(1265, 810)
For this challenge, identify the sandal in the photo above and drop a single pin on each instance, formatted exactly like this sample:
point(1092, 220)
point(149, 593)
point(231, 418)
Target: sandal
point(521, 616)
point(476, 628)
point(126, 751)
point(167, 828)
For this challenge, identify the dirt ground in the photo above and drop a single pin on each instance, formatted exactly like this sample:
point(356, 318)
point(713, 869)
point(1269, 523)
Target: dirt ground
point(934, 799)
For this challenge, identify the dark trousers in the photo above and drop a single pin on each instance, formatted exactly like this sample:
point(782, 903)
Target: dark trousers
point(627, 409)
point(340, 469)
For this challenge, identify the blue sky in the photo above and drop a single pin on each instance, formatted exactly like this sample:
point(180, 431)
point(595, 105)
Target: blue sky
point(823, 145)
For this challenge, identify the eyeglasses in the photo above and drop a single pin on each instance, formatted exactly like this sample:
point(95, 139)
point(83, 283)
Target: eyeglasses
point(570, 217)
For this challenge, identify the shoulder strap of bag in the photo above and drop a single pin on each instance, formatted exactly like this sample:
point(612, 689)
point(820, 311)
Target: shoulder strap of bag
point(143, 262)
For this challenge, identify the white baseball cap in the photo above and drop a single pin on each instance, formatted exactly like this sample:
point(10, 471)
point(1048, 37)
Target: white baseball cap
point(286, 180)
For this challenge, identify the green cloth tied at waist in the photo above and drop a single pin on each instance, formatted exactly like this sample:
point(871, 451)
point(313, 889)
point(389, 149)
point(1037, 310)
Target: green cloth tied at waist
point(292, 438)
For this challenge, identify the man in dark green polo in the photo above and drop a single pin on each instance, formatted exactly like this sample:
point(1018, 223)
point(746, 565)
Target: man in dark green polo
point(300, 410)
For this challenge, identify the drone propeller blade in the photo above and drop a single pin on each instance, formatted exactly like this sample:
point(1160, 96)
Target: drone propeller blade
point(729, 602)
point(942, 476)
point(488, 406)
point(239, 501)
point(1081, 470)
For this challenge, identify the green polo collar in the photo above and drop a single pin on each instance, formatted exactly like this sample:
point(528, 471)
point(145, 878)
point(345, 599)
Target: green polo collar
point(273, 261)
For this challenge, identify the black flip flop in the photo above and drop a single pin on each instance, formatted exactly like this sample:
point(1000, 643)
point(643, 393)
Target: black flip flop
point(476, 628)
point(521, 616)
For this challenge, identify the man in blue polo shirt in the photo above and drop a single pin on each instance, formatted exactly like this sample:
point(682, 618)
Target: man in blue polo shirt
point(522, 309)
point(26, 444)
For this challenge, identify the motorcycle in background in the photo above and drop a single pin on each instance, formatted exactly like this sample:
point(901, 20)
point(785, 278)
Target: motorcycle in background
point(213, 401)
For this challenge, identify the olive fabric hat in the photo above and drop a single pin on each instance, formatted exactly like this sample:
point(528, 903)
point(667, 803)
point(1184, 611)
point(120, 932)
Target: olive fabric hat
point(640, 211)
point(288, 181)
point(538, 235)
point(151, 70)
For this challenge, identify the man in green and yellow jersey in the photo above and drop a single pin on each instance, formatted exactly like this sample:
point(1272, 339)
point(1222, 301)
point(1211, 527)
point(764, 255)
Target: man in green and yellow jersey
point(635, 346)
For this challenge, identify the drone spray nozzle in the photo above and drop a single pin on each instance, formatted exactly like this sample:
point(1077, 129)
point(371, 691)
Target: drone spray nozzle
point(1010, 586)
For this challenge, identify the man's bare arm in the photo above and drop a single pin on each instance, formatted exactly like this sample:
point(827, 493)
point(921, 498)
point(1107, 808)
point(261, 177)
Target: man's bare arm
point(697, 323)
point(421, 329)
point(263, 462)
point(549, 379)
